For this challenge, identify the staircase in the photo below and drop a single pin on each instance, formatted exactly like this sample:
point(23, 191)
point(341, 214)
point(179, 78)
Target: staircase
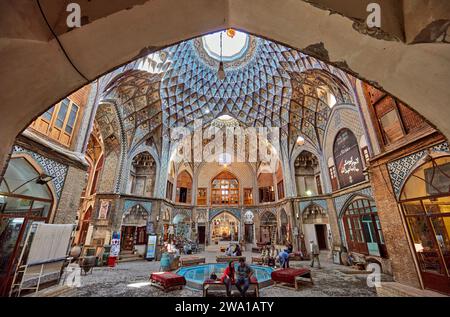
point(274, 236)
point(128, 256)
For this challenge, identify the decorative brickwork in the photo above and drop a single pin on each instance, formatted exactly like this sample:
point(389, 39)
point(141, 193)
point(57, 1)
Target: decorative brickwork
point(400, 169)
point(55, 169)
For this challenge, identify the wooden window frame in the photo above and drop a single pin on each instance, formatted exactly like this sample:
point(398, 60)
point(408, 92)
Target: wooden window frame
point(333, 178)
point(202, 200)
point(280, 190)
point(218, 195)
point(319, 185)
point(365, 157)
point(169, 190)
point(52, 122)
point(248, 201)
point(270, 197)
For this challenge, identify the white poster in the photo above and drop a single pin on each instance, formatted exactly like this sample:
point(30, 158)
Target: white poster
point(104, 207)
point(115, 244)
point(151, 247)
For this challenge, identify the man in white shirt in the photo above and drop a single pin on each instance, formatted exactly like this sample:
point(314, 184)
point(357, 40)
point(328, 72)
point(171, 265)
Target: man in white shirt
point(314, 253)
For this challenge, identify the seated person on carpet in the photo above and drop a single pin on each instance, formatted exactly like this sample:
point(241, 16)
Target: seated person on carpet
point(350, 259)
point(213, 276)
point(229, 251)
point(228, 277)
point(187, 248)
point(244, 272)
point(237, 251)
point(272, 255)
point(265, 255)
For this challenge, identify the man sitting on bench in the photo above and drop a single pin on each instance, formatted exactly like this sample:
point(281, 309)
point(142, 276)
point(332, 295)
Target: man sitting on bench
point(244, 273)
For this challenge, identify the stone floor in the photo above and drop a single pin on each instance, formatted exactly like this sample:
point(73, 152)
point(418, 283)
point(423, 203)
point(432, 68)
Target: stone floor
point(131, 279)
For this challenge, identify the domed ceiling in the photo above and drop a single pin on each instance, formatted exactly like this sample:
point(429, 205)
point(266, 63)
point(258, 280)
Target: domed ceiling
point(266, 84)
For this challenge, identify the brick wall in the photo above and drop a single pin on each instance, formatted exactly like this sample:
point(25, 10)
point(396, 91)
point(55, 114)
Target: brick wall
point(70, 196)
point(108, 174)
point(396, 238)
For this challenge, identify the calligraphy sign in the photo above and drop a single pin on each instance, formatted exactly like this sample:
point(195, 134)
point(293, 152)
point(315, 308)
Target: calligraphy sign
point(348, 159)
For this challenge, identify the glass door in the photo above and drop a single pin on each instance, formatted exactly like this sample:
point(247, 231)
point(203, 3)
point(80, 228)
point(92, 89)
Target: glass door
point(369, 232)
point(10, 234)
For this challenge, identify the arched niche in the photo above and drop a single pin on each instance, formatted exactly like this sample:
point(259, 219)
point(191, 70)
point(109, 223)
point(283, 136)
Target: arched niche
point(184, 188)
point(225, 227)
point(307, 174)
point(142, 175)
point(268, 228)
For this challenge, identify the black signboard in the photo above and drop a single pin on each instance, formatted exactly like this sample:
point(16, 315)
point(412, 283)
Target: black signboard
point(347, 159)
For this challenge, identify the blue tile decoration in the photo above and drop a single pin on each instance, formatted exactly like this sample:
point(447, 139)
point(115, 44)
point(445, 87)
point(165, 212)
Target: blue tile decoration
point(214, 212)
point(128, 204)
point(340, 201)
point(186, 212)
point(321, 202)
point(55, 169)
point(399, 170)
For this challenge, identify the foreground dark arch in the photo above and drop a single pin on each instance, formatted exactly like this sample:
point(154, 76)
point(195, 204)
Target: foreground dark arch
point(48, 69)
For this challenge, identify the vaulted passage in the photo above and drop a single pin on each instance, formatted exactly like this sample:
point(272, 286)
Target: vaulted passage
point(227, 141)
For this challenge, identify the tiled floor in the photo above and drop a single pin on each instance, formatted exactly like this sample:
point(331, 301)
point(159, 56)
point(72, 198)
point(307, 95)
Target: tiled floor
point(131, 279)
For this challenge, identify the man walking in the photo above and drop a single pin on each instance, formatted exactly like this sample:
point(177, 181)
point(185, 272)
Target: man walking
point(244, 273)
point(314, 253)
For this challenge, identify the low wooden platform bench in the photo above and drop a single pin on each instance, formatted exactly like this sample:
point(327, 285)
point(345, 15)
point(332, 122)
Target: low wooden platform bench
point(226, 258)
point(191, 260)
point(257, 260)
point(167, 281)
point(218, 288)
point(295, 257)
point(292, 276)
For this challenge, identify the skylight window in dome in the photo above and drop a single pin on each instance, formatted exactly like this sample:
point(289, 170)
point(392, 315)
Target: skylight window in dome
point(232, 47)
point(326, 96)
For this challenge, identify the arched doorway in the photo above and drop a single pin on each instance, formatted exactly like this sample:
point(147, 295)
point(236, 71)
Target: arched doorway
point(268, 228)
point(224, 228)
point(425, 201)
point(315, 225)
point(134, 230)
point(182, 226)
point(25, 197)
point(84, 226)
point(184, 188)
point(248, 226)
point(363, 228)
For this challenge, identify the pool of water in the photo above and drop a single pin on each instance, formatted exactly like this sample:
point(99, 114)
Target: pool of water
point(196, 275)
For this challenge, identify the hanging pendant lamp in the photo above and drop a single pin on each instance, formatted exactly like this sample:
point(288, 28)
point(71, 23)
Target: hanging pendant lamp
point(221, 71)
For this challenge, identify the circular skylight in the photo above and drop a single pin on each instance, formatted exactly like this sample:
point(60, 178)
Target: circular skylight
point(232, 47)
point(225, 117)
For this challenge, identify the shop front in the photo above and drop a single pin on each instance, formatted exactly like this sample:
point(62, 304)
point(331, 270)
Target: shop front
point(425, 202)
point(224, 228)
point(25, 198)
point(134, 230)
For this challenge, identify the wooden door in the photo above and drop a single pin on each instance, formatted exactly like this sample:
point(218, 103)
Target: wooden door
point(201, 234)
point(128, 233)
point(321, 237)
point(248, 236)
